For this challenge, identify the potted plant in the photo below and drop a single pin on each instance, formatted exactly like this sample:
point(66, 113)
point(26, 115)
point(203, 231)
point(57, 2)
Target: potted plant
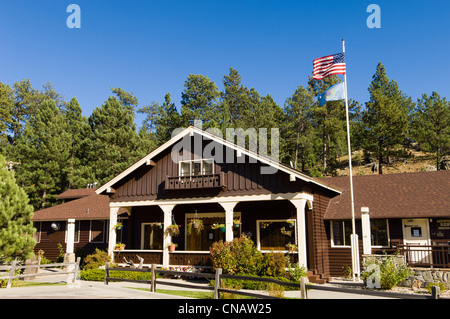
point(195, 223)
point(119, 225)
point(217, 226)
point(236, 222)
point(172, 247)
point(173, 230)
point(119, 246)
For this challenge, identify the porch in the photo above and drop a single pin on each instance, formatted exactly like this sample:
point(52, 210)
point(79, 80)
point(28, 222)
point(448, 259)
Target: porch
point(270, 221)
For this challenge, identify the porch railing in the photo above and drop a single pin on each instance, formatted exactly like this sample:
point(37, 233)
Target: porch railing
point(435, 256)
point(195, 181)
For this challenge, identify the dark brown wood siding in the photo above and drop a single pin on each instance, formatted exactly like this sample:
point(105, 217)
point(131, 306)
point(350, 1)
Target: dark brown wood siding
point(50, 240)
point(147, 182)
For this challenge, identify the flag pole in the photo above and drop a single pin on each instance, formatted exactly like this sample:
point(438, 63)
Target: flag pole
point(354, 237)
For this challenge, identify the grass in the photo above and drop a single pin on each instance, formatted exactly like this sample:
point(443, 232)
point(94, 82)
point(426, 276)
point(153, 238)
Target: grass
point(183, 293)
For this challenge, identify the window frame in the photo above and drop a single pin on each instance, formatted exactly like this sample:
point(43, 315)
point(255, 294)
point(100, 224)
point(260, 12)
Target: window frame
point(201, 160)
point(143, 235)
point(103, 231)
point(387, 232)
point(342, 222)
point(258, 234)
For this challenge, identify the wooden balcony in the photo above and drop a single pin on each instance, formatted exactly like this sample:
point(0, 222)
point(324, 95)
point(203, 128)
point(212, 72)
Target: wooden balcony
point(195, 182)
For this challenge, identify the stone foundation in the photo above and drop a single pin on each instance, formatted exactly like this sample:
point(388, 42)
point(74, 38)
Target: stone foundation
point(424, 276)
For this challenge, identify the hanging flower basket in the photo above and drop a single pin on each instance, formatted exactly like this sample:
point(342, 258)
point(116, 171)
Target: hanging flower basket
point(236, 222)
point(196, 224)
point(173, 230)
point(118, 226)
point(219, 226)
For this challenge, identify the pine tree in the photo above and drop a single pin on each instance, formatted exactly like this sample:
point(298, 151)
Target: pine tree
point(167, 120)
point(43, 152)
point(431, 125)
point(198, 101)
point(113, 144)
point(385, 117)
point(16, 227)
point(298, 131)
point(6, 105)
point(234, 100)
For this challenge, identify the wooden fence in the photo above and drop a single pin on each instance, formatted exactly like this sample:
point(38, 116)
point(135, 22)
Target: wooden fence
point(303, 287)
point(71, 268)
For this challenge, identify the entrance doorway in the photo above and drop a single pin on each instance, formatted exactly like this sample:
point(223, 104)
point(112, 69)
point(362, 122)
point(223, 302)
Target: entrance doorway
point(416, 236)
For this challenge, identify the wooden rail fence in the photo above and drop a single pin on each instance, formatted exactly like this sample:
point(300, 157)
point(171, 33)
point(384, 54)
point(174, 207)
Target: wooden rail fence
point(303, 287)
point(72, 268)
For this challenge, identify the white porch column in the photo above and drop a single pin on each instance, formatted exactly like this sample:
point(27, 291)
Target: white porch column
point(366, 233)
point(112, 231)
point(229, 209)
point(167, 209)
point(70, 236)
point(300, 205)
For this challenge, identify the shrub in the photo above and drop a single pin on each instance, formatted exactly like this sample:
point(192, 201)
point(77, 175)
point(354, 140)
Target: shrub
point(95, 260)
point(390, 273)
point(237, 256)
point(99, 275)
point(274, 265)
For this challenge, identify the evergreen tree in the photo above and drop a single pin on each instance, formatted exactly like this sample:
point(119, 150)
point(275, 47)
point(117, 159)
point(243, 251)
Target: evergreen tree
point(43, 152)
point(385, 117)
point(6, 105)
point(198, 101)
point(114, 143)
point(297, 130)
point(431, 125)
point(329, 123)
point(234, 100)
point(167, 120)
point(16, 227)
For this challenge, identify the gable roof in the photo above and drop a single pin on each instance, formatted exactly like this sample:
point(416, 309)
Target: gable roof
point(405, 195)
point(194, 130)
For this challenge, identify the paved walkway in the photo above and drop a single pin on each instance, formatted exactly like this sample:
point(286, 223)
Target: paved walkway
point(121, 290)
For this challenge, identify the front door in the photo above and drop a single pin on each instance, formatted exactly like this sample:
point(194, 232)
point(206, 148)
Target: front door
point(416, 235)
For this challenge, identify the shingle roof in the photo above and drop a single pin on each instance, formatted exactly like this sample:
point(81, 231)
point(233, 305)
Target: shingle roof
point(88, 207)
point(406, 195)
point(76, 193)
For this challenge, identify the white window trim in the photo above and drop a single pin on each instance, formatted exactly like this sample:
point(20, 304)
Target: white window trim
point(388, 237)
point(258, 242)
point(103, 231)
point(332, 235)
point(201, 160)
point(142, 236)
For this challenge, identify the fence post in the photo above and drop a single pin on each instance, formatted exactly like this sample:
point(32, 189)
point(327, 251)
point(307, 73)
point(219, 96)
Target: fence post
point(435, 292)
point(106, 273)
point(217, 283)
point(303, 292)
point(77, 268)
point(11, 273)
point(153, 275)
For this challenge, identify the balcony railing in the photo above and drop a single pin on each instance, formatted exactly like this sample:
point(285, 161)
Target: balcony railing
point(195, 182)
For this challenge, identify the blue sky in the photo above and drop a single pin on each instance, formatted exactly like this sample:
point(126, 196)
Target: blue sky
point(150, 47)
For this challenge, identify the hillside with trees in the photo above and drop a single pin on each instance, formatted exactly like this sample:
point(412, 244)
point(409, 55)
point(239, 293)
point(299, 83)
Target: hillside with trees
point(53, 146)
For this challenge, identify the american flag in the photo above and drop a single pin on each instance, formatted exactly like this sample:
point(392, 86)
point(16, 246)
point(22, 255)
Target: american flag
point(329, 65)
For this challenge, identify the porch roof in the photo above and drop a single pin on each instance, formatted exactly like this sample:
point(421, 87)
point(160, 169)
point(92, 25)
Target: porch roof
point(405, 195)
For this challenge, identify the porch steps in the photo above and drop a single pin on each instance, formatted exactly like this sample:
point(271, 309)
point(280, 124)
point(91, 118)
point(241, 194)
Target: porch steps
point(317, 278)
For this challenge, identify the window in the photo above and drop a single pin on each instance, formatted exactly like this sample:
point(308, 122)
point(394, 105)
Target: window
point(416, 232)
point(275, 234)
point(340, 234)
point(379, 232)
point(152, 236)
point(97, 231)
point(197, 167)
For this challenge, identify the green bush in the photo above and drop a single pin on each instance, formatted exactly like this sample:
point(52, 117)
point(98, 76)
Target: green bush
point(238, 256)
point(97, 259)
point(390, 272)
point(273, 265)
